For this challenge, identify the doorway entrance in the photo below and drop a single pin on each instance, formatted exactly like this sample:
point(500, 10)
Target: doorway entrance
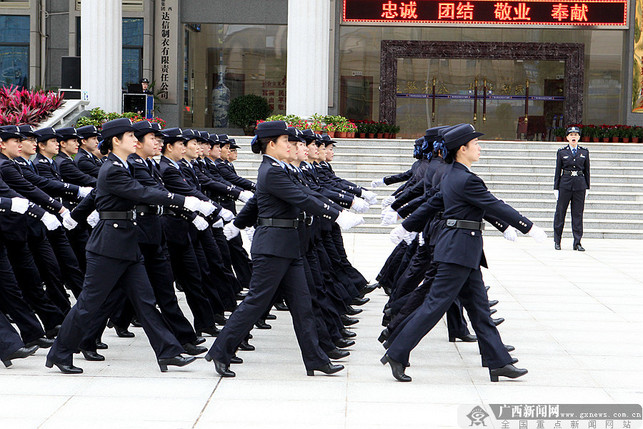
point(507, 90)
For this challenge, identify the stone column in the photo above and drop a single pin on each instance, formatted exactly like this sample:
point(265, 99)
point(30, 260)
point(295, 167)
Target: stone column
point(308, 56)
point(101, 53)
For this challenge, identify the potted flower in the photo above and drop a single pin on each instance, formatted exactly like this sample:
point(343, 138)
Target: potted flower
point(584, 132)
point(605, 133)
point(394, 130)
point(352, 129)
point(330, 130)
point(559, 133)
point(625, 133)
point(637, 134)
point(379, 130)
point(371, 128)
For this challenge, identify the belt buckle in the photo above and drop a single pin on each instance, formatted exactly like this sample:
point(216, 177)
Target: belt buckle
point(574, 173)
point(133, 214)
point(451, 222)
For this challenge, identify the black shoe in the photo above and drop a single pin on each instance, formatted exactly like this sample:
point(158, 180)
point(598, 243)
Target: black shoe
point(487, 288)
point(557, 246)
point(21, 353)
point(348, 321)
point(338, 354)
point(199, 340)
point(498, 321)
point(509, 348)
point(65, 369)
point(347, 334)
point(178, 286)
point(53, 332)
point(236, 360)
point(506, 371)
point(92, 356)
point(240, 296)
point(342, 343)
point(222, 369)
point(246, 346)
point(396, 368)
point(359, 301)
point(386, 345)
point(368, 289)
point(262, 325)
point(469, 338)
point(135, 323)
point(485, 365)
point(327, 369)
point(493, 311)
point(110, 324)
point(177, 360)
point(193, 349)
point(493, 302)
point(220, 319)
point(281, 306)
point(123, 332)
point(352, 311)
point(384, 335)
point(386, 320)
point(271, 317)
point(579, 248)
point(42, 342)
point(213, 332)
point(101, 345)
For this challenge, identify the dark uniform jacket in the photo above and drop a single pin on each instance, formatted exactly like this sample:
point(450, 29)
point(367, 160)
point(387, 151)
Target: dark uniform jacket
point(52, 187)
point(14, 225)
point(578, 166)
point(117, 190)
point(278, 197)
point(87, 162)
point(227, 171)
point(71, 173)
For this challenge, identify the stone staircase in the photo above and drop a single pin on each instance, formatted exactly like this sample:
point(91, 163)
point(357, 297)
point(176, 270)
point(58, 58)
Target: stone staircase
point(518, 172)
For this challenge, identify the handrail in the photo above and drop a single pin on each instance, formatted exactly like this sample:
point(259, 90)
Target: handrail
point(66, 114)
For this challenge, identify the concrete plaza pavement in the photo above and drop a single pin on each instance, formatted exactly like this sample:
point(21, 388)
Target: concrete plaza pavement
point(575, 320)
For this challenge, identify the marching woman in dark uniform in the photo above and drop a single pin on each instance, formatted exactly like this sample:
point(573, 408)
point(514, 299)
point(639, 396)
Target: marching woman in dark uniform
point(571, 183)
point(114, 258)
point(459, 252)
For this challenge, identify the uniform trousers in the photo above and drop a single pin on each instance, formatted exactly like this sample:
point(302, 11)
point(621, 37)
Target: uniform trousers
point(269, 273)
point(450, 281)
point(50, 273)
point(102, 276)
point(9, 339)
point(72, 274)
point(12, 302)
point(240, 261)
point(577, 198)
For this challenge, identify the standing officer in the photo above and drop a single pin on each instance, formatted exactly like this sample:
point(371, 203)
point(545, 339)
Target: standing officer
point(276, 255)
point(571, 183)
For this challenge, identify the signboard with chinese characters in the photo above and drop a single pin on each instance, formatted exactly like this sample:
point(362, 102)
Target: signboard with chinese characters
point(165, 50)
point(534, 13)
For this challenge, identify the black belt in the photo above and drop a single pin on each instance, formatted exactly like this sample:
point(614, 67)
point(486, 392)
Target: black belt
point(278, 223)
point(573, 173)
point(465, 224)
point(117, 215)
point(149, 210)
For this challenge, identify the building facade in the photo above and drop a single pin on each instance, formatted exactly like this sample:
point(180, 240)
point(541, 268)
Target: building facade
point(380, 63)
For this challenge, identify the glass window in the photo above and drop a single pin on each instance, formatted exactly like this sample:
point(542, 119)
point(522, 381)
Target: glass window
point(132, 50)
point(225, 61)
point(14, 50)
point(603, 87)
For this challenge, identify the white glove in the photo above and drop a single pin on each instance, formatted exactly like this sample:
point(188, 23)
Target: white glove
point(421, 240)
point(244, 196)
point(359, 205)
point(250, 233)
point(200, 223)
point(369, 196)
point(83, 191)
point(556, 193)
point(51, 222)
point(388, 201)
point(538, 233)
point(93, 219)
point(409, 237)
point(192, 203)
point(398, 234)
point(346, 220)
point(226, 215)
point(389, 217)
point(68, 221)
point(19, 205)
point(218, 224)
point(377, 182)
point(230, 231)
point(510, 234)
